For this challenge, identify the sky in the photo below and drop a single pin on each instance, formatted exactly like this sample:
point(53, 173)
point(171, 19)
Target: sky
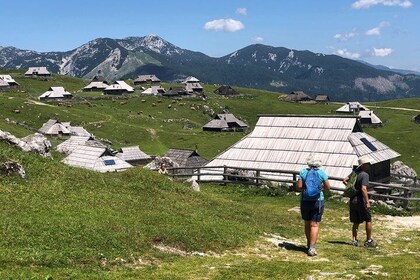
point(384, 32)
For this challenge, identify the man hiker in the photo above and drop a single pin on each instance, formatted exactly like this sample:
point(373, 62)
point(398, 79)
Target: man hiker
point(359, 203)
point(311, 181)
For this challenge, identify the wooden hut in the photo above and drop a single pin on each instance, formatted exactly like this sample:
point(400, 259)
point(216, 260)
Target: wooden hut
point(97, 159)
point(226, 91)
point(54, 128)
point(37, 72)
point(225, 122)
point(298, 96)
point(186, 157)
point(192, 85)
point(284, 142)
point(175, 91)
point(56, 94)
point(146, 79)
point(322, 99)
point(118, 87)
point(9, 80)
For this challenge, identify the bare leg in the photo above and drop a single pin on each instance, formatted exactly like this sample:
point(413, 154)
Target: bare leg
point(354, 231)
point(368, 230)
point(314, 233)
point(308, 232)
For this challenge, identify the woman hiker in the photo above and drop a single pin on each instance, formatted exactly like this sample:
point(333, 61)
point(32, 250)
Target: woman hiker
point(311, 181)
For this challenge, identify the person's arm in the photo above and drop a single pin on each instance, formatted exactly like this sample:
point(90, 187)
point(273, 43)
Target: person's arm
point(299, 185)
point(345, 180)
point(327, 185)
point(365, 196)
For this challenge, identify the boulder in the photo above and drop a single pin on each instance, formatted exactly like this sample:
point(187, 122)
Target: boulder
point(399, 168)
point(36, 143)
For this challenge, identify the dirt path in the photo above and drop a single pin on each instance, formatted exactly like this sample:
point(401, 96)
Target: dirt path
point(396, 108)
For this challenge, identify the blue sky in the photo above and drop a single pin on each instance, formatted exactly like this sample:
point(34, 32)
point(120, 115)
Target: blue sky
point(383, 32)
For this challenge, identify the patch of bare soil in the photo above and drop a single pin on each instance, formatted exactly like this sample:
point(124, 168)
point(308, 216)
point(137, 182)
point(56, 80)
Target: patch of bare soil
point(400, 223)
point(39, 103)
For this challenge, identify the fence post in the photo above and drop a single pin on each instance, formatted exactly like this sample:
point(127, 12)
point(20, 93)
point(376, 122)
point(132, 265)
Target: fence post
point(294, 181)
point(257, 180)
point(198, 174)
point(224, 174)
point(405, 202)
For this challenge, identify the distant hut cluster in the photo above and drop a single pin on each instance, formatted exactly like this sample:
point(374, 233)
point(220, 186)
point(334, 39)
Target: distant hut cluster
point(85, 151)
point(367, 117)
point(302, 97)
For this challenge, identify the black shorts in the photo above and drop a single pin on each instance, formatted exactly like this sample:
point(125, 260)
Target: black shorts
point(359, 213)
point(312, 210)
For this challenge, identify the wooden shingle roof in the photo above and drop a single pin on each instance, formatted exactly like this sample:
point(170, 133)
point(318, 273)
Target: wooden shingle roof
point(95, 158)
point(185, 157)
point(132, 154)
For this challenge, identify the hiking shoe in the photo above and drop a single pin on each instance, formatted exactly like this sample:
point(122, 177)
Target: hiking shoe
point(371, 244)
point(354, 243)
point(312, 252)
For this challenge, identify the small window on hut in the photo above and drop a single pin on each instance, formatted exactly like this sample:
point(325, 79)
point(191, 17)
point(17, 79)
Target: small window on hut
point(368, 144)
point(109, 162)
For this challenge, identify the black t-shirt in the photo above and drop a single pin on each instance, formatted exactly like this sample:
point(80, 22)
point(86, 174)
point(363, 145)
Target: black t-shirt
point(362, 179)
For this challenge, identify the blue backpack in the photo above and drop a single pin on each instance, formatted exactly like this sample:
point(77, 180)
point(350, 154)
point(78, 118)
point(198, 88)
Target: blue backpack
point(313, 185)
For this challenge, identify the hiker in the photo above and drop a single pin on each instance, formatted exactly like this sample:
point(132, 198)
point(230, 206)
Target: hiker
point(162, 169)
point(359, 203)
point(311, 181)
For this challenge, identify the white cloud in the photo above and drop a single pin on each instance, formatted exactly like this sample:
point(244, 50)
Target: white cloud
point(382, 51)
point(345, 36)
point(258, 39)
point(365, 4)
point(374, 31)
point(242, 11)
point(345, 53)
point(229, 24)
point(377, 30)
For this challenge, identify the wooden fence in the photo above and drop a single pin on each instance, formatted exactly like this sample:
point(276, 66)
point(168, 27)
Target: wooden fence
point(236, 175)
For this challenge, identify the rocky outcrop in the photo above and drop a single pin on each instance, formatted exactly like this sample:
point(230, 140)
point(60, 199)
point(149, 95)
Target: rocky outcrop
point(399, 168)
point(36, 143)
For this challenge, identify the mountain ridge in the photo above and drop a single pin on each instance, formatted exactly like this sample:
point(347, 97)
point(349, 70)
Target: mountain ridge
point(258, 65)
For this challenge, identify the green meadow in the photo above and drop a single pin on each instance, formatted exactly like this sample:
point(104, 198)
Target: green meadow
point(69, 223)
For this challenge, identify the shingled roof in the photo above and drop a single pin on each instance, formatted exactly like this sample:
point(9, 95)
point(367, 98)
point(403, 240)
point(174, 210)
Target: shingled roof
point(75, 142)
point(55, 93)
point(225, 122)
point(54, 127)
point(186, 157)
point(95, 158)
point(133, 155)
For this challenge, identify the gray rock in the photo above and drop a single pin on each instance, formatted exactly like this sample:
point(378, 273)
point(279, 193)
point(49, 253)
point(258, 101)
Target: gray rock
point(195, 186)
point(36, 143)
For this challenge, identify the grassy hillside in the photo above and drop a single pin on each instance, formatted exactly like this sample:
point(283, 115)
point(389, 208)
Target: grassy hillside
point(70, 223)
